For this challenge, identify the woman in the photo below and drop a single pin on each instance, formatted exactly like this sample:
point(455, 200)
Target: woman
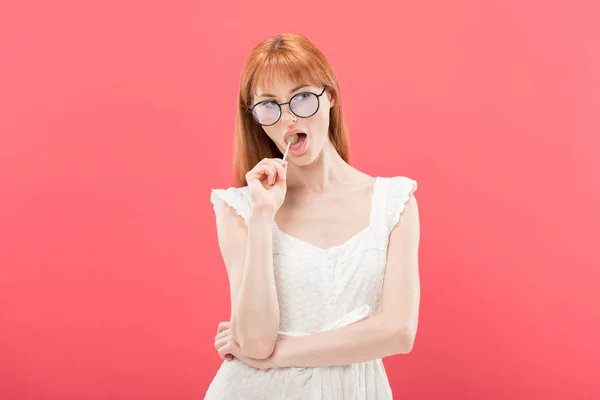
point(321, 258)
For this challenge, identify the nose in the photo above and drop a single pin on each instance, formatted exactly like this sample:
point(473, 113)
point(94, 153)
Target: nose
point(287, 116)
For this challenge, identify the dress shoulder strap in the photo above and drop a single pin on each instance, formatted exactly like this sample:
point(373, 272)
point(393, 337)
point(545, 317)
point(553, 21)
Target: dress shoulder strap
point(392, 195)
point(236, 198)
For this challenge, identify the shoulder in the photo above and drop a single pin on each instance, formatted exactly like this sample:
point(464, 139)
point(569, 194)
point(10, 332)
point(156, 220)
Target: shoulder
point(237, 200)
point(232, 191)
point(400, 200)
point(400, 183)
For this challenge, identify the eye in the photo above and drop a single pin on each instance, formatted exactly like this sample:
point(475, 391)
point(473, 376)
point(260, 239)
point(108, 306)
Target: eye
point(268, 104)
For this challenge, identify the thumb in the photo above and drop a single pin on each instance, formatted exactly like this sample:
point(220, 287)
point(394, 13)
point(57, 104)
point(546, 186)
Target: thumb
point(282, 178)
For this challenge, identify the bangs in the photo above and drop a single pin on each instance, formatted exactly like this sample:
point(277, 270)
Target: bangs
point(286, 67)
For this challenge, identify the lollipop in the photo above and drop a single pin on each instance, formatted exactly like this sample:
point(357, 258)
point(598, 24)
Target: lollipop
point(292, 139)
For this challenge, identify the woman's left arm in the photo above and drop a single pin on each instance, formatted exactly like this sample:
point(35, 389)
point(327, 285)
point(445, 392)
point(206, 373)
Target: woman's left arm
point(391, 332)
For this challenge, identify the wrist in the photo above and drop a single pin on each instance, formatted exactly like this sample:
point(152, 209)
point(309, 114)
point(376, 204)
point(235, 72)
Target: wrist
point(276, 358)
point(263, 211)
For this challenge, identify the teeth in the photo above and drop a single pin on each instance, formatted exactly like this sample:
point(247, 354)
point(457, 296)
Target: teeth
point(292, 139)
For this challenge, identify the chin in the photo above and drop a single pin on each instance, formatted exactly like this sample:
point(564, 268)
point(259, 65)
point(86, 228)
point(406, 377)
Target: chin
point(306, 159)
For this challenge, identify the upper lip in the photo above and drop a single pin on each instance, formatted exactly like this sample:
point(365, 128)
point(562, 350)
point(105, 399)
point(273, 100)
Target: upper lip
point(290, 133)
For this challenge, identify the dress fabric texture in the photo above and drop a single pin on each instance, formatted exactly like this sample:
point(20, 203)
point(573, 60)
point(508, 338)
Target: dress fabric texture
point(321, 289)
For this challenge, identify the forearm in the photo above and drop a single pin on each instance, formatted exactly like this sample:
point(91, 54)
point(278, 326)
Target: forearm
point(255, 316)
point(367, 340)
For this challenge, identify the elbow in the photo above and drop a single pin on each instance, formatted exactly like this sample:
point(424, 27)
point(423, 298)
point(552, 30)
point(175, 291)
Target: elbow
point(403, 339)
point(257, 349)
point(258, 345)
point(256, 341)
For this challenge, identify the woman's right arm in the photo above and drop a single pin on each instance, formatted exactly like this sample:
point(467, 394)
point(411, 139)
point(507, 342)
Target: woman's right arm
point(247, 251)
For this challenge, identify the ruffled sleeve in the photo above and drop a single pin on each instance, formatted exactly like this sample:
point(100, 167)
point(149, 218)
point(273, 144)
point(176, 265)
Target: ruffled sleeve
point(236, 198)
point(399, 192)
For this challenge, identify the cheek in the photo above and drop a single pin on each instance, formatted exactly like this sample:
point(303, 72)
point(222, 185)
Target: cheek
point(322, 120)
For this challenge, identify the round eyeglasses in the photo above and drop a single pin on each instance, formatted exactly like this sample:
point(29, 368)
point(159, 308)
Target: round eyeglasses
point(303, 105)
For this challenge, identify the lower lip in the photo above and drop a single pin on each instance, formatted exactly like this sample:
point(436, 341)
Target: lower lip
point(301, 149)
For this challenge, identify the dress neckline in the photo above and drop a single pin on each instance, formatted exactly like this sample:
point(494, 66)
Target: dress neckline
point(351, 239)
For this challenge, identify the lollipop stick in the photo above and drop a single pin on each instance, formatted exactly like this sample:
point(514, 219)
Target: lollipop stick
point(286, 150)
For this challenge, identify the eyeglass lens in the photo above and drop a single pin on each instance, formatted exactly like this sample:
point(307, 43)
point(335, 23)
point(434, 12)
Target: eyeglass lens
point(303, 105)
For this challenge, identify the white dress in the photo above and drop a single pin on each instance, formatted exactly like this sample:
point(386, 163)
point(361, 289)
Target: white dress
point(321, 289)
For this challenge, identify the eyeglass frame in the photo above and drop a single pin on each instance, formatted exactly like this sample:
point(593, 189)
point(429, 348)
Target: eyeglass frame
point(288, 102)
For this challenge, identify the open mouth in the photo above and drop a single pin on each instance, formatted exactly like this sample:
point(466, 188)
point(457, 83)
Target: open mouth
point(301, 140)
point(300, 146)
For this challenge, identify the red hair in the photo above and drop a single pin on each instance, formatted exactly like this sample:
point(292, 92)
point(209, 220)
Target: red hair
point(288, 56)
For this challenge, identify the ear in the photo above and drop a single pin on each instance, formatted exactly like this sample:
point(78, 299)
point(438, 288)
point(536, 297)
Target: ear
point(331, 100)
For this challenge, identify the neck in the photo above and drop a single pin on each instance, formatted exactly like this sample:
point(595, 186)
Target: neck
point(326, 171)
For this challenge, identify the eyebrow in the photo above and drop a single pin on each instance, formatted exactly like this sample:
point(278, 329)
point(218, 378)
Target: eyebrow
point(291, 91)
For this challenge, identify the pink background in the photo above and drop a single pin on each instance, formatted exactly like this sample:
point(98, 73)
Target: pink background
point(116, 120)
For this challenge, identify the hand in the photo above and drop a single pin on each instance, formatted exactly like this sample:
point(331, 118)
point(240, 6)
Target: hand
point(267, 183)
point(229, 349)
point(222, 339)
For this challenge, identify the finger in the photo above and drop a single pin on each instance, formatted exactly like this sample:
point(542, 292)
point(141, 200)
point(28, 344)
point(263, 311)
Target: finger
point(225, 350)
point(263, 171)
point(281, 162)
point(271, 173)
point(222, 334)
point(258, 173)
point(222, 342)
point(223, 325)
point(280, 168)
point(281, 172)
